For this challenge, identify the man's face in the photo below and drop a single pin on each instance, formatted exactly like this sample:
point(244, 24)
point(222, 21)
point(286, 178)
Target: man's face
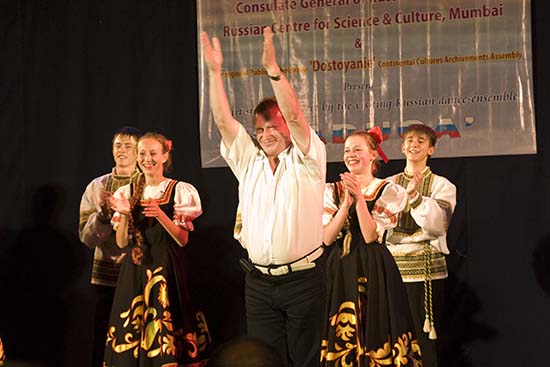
point(417, 147)
point(125, 151)
point(273, 135)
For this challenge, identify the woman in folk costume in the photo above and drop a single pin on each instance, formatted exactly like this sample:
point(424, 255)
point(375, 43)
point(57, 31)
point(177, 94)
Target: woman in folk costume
point(368, 319)
point(152, 321)
point(2, 354)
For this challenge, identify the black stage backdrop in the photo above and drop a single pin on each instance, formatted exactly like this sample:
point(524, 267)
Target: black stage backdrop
point(72, 72)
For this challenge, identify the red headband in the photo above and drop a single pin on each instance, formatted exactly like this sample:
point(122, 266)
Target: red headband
point(376, 134)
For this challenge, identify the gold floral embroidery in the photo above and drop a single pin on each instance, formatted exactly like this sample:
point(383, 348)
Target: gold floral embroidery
point(163, 296)
point(147, 321)
point(191, 345)
point(345, 324)
point(348, 350)
point(362, 285)
point(382, 356)
point(404, 348)
point(168, 345)
point(203, 339)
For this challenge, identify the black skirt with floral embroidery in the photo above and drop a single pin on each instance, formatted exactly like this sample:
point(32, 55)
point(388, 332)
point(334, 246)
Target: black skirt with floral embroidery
point(368, 318)
point(152, 320)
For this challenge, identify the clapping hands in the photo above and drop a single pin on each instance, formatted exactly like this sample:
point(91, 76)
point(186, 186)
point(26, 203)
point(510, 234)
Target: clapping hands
point(352, 188)
point(413, 184)
point(121, 205)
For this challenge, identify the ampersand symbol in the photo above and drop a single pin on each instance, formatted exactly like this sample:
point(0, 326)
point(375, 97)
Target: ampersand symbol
point(357, 43)
point(387, 19)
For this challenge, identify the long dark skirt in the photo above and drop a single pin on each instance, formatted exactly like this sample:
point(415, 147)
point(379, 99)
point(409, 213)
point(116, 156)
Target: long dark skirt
point(152, 320)
point(368, 318)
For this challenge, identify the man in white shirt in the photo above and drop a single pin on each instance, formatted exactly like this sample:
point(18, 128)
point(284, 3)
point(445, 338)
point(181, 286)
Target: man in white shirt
point(281, 186)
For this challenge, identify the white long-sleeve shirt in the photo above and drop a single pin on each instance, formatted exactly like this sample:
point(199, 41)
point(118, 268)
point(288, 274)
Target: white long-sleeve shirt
point(424, 220)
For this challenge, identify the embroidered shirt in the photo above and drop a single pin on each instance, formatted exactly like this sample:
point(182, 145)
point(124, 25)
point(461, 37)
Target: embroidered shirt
point(423, 221)
point(96, 232)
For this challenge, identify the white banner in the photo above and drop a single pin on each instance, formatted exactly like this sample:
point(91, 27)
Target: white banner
point(463, 67)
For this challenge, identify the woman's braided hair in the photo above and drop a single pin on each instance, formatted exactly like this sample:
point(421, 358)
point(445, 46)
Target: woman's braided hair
point(137, 251)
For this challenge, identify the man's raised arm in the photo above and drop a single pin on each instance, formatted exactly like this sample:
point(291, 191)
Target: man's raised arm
point(285, 95)
point(227, 125)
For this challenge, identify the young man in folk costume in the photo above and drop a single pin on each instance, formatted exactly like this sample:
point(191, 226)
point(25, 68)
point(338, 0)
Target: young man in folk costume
point(418, 242)
point(96, 232)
